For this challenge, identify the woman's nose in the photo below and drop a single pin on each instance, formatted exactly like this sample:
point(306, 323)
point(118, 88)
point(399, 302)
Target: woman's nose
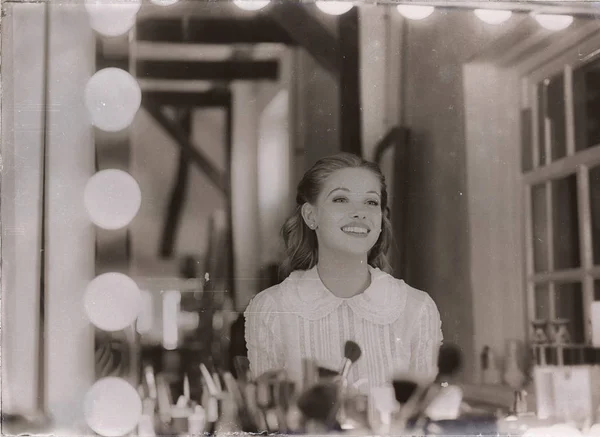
point(359, 214)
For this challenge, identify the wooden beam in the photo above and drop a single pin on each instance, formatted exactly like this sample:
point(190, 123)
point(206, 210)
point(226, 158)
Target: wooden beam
point(217, 97)
point(178, 192)
point(235, 69)
point(259, 28)
point(228, 159)
point(232, 69)
point(218, 179)
point(308, 32)
point(350, 106)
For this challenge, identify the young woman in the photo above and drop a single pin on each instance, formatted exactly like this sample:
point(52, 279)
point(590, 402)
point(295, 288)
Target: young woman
point(337, 288)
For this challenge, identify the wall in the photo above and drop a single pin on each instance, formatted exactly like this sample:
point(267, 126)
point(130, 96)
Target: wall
point(154, 164)
point(22, 82)
point(66, 137)
point(317, 119)
point(438, 249)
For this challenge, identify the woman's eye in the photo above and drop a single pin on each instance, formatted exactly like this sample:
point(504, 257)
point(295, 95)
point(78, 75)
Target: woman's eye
point(373, 202)
point(339, 200)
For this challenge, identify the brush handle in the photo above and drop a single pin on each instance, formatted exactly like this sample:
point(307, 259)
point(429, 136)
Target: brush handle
point(346, 368)
point(210, 383)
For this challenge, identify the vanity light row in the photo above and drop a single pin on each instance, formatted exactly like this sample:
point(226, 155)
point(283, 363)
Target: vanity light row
point(113, 18)
point(419, 12)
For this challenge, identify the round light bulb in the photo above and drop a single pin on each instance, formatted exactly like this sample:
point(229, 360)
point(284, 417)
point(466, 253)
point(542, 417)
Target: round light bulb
point(554, 22)
point(251, 5)
point(493, 16)
point(112, 407)
point(112, 97)
point(112, 17)
point(112, 301)
point(415, 12)
point(112, 198)
point(164, 2)
point(334, 7)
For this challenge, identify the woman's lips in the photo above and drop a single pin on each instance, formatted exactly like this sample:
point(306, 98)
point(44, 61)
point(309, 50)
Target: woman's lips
point(356, 231)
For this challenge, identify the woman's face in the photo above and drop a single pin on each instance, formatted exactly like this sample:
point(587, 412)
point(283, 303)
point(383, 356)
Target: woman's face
point(347, 214)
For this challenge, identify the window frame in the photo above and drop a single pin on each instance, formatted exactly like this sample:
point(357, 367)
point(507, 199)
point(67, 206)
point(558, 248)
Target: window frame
point(577, 163)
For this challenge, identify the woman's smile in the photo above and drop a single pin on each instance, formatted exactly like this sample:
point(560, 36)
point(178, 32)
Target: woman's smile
point(356, 230)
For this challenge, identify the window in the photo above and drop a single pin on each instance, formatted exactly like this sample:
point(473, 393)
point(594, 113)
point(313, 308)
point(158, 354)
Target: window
point(561, 174)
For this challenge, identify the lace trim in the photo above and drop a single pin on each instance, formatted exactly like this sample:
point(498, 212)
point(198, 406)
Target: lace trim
point(382, 303)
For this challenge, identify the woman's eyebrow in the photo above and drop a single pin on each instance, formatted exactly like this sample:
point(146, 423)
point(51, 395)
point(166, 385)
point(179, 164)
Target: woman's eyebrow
point(347, 190)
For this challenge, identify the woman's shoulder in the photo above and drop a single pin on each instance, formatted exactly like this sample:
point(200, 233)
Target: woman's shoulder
point(273, 296)
point(266, 299)
point(414, 297)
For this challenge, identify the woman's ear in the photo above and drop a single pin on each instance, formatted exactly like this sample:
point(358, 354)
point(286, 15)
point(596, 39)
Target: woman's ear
point(309, 215)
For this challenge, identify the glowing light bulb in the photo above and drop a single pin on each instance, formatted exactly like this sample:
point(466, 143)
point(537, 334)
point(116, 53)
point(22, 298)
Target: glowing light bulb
point(112, 301)
point(112, 198)
point(164, 2)
point(492, 16)
point(251, 5)
point(554, 22)
point(334, 7)
point(112, 407)
point(112, 96)
point(112, 17)
point(415, 12)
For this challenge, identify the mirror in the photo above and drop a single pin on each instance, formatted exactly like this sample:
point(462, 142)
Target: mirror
point(464, 111)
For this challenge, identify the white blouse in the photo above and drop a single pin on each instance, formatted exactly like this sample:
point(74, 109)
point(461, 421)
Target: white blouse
point(397, 327)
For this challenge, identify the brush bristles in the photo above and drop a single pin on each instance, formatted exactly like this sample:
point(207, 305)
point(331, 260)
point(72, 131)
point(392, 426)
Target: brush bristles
point(404, 389)
point(318, 402)
point(352, 351)
point(449, 360)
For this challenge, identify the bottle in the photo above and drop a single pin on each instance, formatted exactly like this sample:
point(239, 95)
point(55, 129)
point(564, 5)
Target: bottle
point(490, 372)
point(197, 421)
point(513, 376)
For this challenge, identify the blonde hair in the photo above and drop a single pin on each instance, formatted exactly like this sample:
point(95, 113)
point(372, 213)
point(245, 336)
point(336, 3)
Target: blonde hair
point(301, 245)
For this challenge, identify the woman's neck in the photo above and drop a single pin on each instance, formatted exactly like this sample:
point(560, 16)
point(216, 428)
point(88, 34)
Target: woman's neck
point(346, 277)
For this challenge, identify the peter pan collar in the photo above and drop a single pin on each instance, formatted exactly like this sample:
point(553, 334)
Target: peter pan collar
point(382, 302)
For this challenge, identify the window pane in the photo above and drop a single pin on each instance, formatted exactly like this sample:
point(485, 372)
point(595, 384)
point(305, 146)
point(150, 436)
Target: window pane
point(542, 302)
point(542, 98)
point(595, 211)
point(526, 141)
point(586, 96)
point(569, 305)
point(556, 113)
point(540, 226)
point(565, 223)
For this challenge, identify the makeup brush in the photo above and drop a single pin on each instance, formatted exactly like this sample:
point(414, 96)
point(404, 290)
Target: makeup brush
point(449, 363)
point(265, 400)
point(210, 383)
point(246, 421)
point(352, 353)
point(414, 396)
point(318, 402)
point(310, 374)
point(326, 373)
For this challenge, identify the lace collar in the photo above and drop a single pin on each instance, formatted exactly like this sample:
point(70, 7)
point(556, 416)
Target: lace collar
point(382, 302)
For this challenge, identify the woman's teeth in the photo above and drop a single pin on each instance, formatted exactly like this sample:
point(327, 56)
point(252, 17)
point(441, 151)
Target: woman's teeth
point(355, 230)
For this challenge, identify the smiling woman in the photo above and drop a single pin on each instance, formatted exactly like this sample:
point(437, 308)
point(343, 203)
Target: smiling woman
point(338, 289)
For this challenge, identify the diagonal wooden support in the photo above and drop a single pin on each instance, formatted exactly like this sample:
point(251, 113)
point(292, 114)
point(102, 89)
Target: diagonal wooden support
point(218, 179)
point(309, 33)
point(178, 193)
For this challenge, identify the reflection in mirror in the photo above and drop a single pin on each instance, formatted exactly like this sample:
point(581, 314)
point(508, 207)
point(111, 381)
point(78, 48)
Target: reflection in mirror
point(161, 143)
